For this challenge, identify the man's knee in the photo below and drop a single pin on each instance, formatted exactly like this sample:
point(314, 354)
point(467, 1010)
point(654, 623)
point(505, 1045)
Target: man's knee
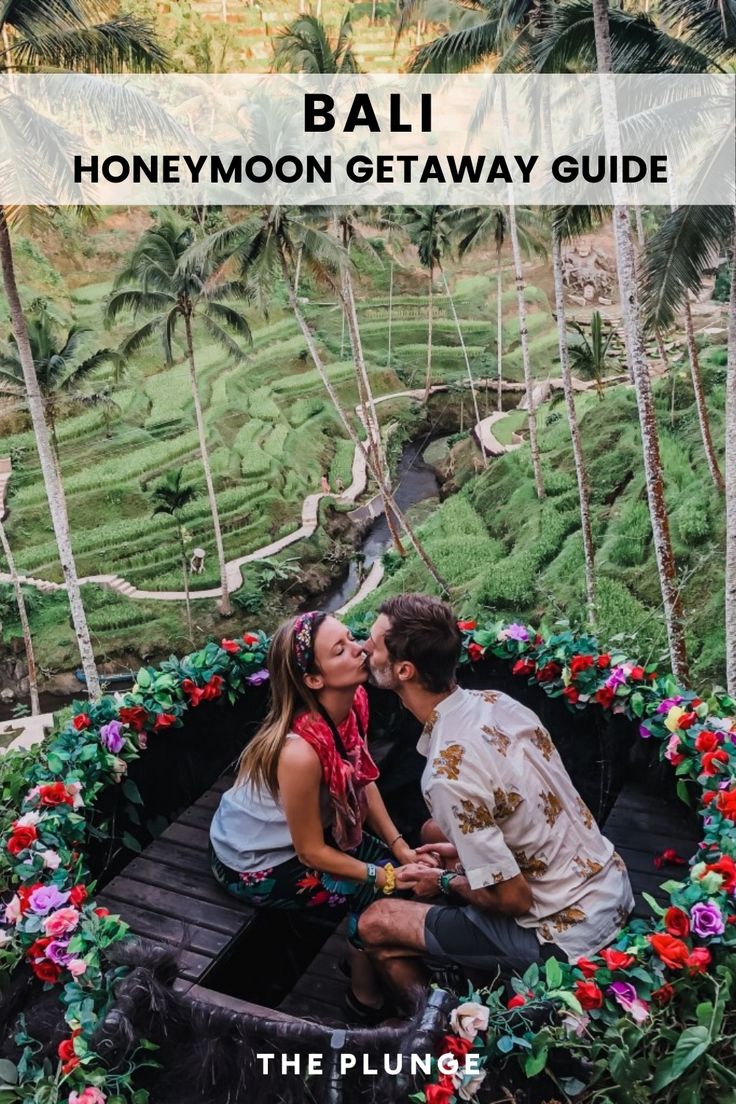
point(432, 833)
point(374, 924)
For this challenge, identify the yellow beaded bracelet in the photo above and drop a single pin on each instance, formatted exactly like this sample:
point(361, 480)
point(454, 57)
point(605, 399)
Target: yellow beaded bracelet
point(390, 884)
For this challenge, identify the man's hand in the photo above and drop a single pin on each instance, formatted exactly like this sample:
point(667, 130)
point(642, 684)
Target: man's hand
point(443, 854)
point(419, 877)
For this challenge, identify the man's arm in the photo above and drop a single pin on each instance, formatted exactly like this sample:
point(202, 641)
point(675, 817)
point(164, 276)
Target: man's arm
point(513, 896)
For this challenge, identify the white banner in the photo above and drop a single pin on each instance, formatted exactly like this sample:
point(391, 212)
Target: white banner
point(368, 139)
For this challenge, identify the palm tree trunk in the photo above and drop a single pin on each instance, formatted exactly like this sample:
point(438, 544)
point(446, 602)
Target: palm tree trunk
point(636, 355)
point(640, 239)
point(23, 615)
point(225, 605)
point(703, 419)
point(390, 313)
point(54, 488)
point(661, 349)
point(467, 366)
point(350, 430)
point(577, 447)
point(499, 324)
point(524, 338)
point(428, 380)
point(731, 480)
point(185, 577)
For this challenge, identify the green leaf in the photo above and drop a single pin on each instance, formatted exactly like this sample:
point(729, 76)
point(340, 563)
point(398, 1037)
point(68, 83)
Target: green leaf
point(682, 792)
point(637, 704)
point(654, 905)
point(506, 1044)
point(704, 1012)
point(8, 1072)
point(535, 1063)
point(567, 998)
point(140, 1097)
point(553, 973)
point(143, 679)
point(131, 843)
point(132, 792)
point(693, 1043)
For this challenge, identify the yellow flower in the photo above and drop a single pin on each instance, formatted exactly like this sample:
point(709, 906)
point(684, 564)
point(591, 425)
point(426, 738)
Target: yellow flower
point(672, 718)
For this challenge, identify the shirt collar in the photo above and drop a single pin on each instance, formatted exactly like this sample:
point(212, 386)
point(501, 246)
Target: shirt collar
point(442, 709)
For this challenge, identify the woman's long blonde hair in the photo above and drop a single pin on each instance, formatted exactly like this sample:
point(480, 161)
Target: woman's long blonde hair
point(258, 763)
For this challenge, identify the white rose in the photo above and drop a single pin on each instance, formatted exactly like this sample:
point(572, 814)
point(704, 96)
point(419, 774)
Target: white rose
point(50, 860)
point(469, 1019)
point(468, 1086)
point(28, 820)
point(13, 910)
point(574, 1024)
point(75, 789)
point(5, 938)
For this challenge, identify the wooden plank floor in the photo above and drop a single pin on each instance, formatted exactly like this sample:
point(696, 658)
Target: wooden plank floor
point(319, 993)
point(641, 826)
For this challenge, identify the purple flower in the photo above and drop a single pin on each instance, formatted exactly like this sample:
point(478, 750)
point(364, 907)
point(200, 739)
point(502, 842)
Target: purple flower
point(46, 898)
point(644, 732)
point(57, 952)
point(111, 736)
point(616, 678)
point(666, 705)
point(257, 678)
point(706, 919)
point(625, 995)
point(516, 632)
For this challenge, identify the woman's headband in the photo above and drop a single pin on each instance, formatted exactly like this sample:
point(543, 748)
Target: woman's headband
point(305, 630)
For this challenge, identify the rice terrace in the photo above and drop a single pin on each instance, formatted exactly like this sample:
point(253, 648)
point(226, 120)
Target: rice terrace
point(237, 444)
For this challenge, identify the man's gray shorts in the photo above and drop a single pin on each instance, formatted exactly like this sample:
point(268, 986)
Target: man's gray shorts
point(467, 936)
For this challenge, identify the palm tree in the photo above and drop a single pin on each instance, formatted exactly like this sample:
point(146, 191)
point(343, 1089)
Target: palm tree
point(306, 46)
point(156, 283)
point(266, 246)
point(23, 615)
point(588, 355)
point(59, 369)
point(731, 479)
point(69, 35)
point(430, 231)
point(170, 497)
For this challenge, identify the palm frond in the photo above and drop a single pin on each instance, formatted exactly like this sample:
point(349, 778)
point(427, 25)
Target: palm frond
point(221, 336)
point(710, 25)
point(571, 222)
point(120, 44)
point(137, 301)
point(457, 51)
point(237, 322)
point(141, 336)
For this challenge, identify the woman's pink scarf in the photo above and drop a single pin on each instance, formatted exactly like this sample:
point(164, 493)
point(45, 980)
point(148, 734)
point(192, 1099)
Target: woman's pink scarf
point(346, 780)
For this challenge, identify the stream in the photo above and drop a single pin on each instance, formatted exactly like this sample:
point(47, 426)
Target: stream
point(415, 482)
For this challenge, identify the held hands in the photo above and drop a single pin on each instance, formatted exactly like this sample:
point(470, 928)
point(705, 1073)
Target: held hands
point(419, 877)
point(406, 855)
point(438, 854)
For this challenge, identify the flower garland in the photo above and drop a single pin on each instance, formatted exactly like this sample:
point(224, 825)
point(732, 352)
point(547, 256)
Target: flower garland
point(51, 920)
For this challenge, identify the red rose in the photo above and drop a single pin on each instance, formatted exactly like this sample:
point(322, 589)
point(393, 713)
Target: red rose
point(46, 971)
point(230, 646)
point(708, 796)
point(475, 652)
point(453, 1044)
point(21, 838)
point(663, 995)
point(604, 660)
point(580, 663)
point(673, 952)
point(37, 950)
point(24, 894)
point(727, 804)
point(727, 868)
point(250, 638)
point(213, 688)
point(70, 1065)
point(192, 691)
point(706, 741)
point(102, 912)
point(466, 626)
point(81, 721)
point(523, 667)
point(439, 1094)
point(605, 696)
point(519, 998)
point(636, 673)
point(78, 895)
point(65, 1049)
point(589, 995)
point(710, 760)
point(699, 960)
point(587, 967)
point(164, 720)
point(571, 694)
point(617, 960)
point(549, 672)
point(687, 720)
point(677, 922)
point(55, 794)
point(135, 716)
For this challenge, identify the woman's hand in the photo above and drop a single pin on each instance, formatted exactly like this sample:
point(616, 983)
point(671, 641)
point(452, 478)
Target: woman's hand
point(438, 854)
point(421, 878)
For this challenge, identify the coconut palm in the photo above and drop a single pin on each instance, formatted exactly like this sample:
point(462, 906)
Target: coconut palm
point(170, 497)
point(266, 246)
point(86, 36)
point(157, 284)
point(23, 616)
point(60, 371)
point(306, 46)
point(429, 230)
point(589, 354)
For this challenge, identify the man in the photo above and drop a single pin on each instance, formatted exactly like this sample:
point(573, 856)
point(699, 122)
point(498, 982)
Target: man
point(526, 872)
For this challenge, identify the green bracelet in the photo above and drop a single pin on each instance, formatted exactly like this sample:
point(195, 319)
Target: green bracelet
point(371, 873)
point(444, 881)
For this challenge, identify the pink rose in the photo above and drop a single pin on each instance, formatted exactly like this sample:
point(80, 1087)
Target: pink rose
point(61, 921)
point(76, 967)
point(90, 1095)
point(51, 859)
point(13, 911)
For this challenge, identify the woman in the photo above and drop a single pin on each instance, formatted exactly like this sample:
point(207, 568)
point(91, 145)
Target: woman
point(290, 833)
